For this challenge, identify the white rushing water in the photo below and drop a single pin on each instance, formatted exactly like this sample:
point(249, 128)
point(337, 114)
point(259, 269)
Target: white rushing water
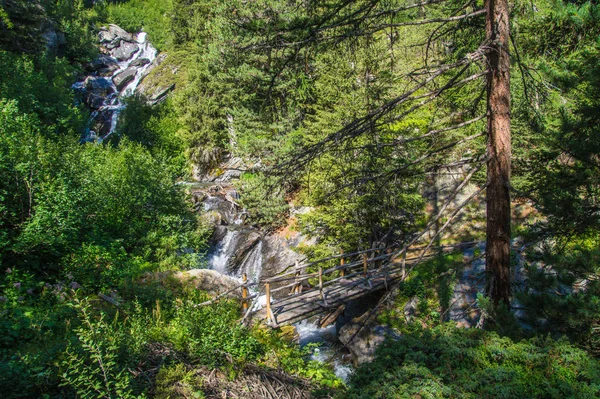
point(252, 264)
point(219, 259)
point(327, 345)
point(146, 51)
point(112, 104)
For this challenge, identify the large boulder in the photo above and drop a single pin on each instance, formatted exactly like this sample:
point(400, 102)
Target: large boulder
point(122, 79)
point(93, 100)
point(140, 62)
point(113, 33)
point(159, 80)
point(102, 123)
point(125, 51)
point(103, 63)
point(99, 85)
point(228, 211)
point(362, 336)
point(210, 281)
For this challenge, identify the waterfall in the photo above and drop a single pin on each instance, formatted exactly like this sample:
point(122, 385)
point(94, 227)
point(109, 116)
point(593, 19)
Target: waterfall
point(148, 52)
point(252, 264)
point(114, 77)
point(223, 252)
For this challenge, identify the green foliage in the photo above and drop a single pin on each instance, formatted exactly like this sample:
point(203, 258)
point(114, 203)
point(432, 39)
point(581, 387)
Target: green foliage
point(151, 16)
point(175, 381)
point(157, 129)
point(266, 206)
point(90, 364)
point(42, 89)
point(563, 300)
point(455, 363)
point(430, 284)
point(210, 334)
point(98, 268)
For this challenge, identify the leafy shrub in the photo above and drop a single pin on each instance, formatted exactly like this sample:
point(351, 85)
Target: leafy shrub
point(212, 334)
point(264, 200)
point(99, 268)
point(177, 382)
point(151, 16)
point(90, 363)
point(447, 362)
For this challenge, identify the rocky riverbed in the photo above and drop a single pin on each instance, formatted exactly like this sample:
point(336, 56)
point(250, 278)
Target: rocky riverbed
point(125, 60)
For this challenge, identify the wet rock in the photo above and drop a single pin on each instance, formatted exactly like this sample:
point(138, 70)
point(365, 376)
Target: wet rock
point(210, 281)
point(122, 79)
point(410, 309)
point(101, 124)
point(103, 62)
point(227, 210)
point(140, 62)
point(125, 51)
point(94, 101)
point(245, 246)
point(99, 85)
point(362, 337)
point(218, 234)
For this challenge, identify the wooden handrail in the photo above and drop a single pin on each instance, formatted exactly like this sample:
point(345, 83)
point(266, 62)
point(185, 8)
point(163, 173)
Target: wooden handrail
point(391, 270)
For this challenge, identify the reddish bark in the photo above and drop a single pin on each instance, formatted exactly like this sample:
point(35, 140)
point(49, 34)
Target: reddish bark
point(499, 151)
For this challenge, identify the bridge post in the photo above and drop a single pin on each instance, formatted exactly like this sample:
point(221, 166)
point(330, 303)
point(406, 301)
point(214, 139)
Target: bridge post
point(245, 292)
point(297, 283)
point(321, 284)
point(366, 270)
point(268, 298)
point(404, 264)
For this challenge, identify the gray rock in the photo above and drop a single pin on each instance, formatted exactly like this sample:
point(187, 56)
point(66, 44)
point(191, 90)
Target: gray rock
point(227, 210)
point(113, 45)
point(104, 62)
point(154, 94)
point(410, 309)
point(160, 94)
point(122, 79)
point(125, 51)
point(362, 341)
point(112, 33)
point(101, 124)
point(51, 38)
point(93, 100)
point(463, 305)
point(244, 247)
point(210, 281)
point(140, 62)
point(99, 85)
point(120, 33)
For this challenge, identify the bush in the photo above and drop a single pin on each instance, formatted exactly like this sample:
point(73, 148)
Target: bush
point(447, 362)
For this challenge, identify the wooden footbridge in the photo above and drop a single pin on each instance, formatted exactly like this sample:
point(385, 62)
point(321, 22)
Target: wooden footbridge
point(305, 290)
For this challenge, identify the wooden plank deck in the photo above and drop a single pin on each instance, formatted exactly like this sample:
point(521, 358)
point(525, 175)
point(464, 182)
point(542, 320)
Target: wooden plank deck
point(297, 307)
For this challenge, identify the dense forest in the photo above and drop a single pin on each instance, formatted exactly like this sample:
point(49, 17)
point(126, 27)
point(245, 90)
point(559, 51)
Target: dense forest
point(366, 125)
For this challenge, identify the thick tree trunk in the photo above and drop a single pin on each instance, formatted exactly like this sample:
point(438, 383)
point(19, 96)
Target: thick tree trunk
point(499, 152)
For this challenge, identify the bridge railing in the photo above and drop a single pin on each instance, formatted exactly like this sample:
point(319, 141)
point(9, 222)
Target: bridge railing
point(357, 268)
